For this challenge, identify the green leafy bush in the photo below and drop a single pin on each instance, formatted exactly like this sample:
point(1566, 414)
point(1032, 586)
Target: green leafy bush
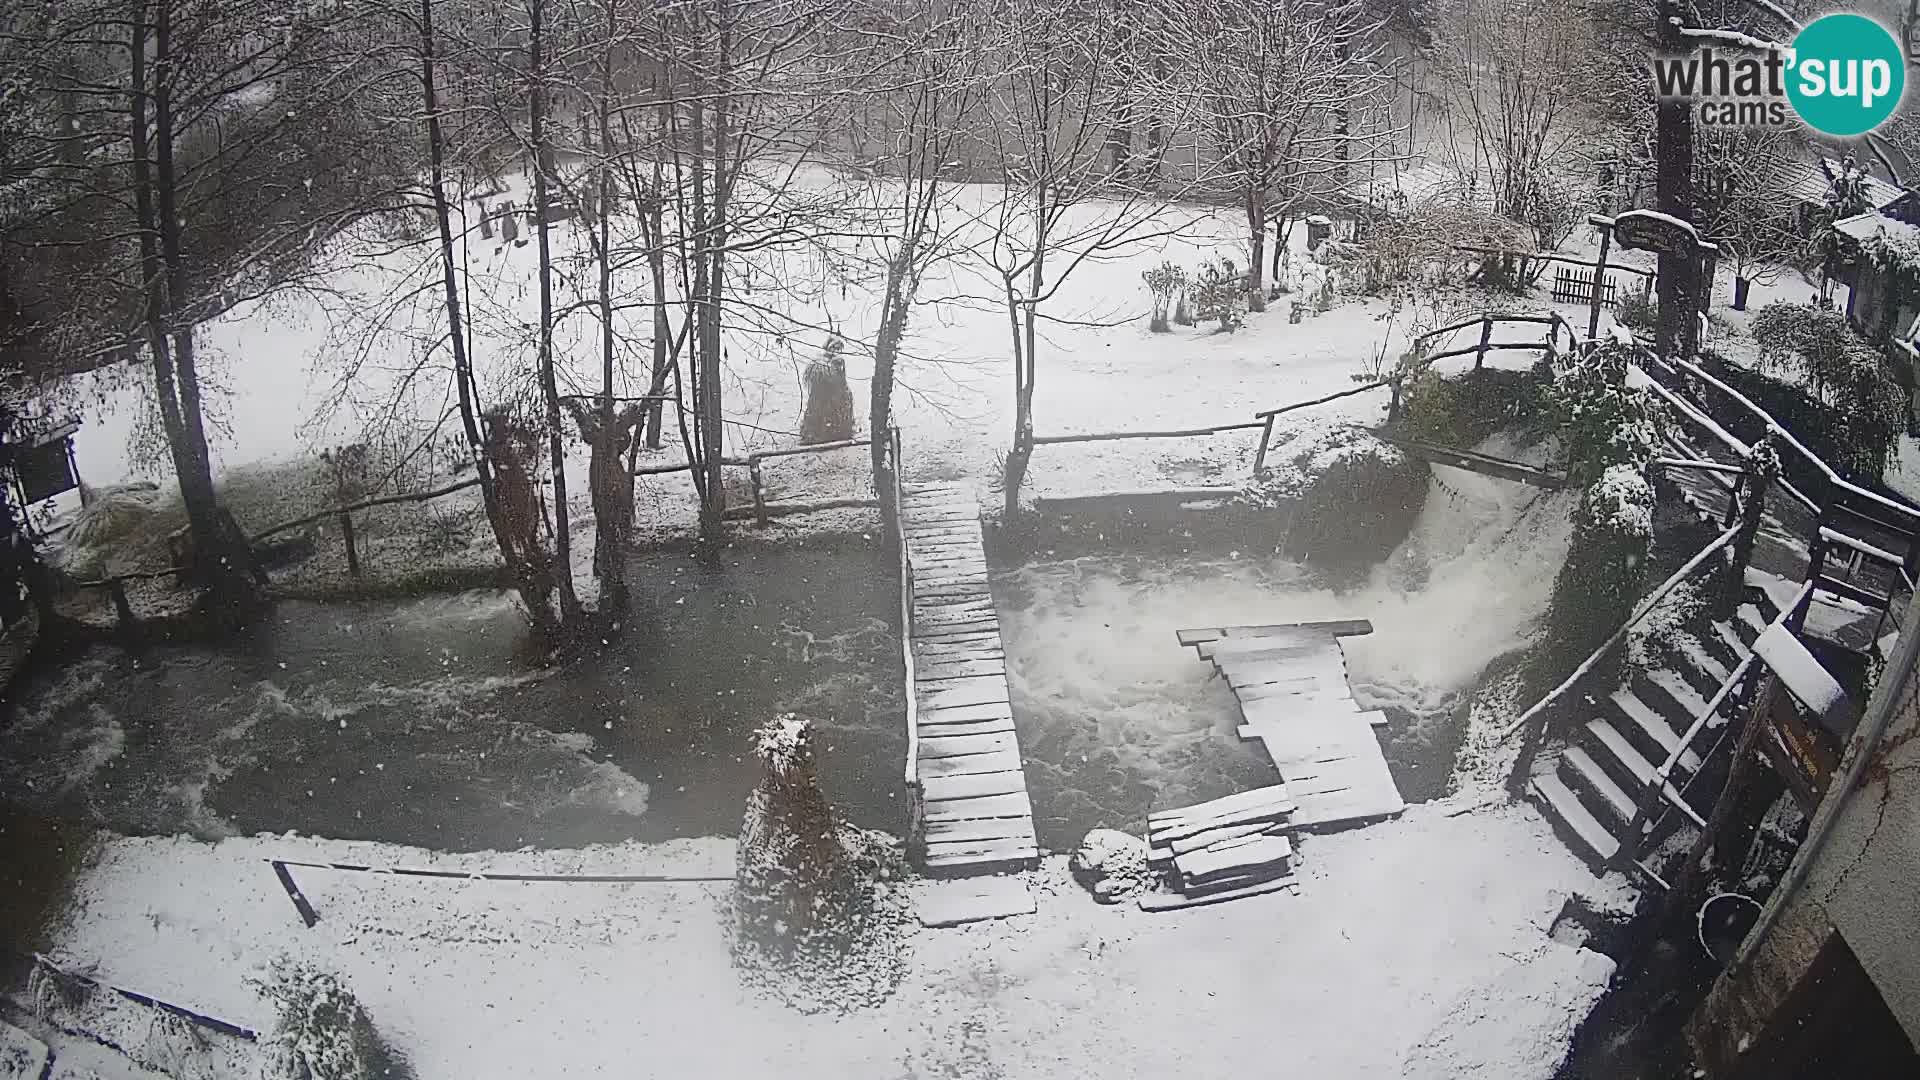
point(1859, 409)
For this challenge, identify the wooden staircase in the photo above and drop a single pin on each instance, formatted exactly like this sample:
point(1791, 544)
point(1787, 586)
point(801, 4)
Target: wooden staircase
point(1591, 787)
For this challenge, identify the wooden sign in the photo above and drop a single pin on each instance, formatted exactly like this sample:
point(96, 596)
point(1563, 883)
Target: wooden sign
point(1650, 230)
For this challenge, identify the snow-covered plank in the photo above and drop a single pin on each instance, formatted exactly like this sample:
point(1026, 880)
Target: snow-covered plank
point(963, 764)
point(1565, 807)
point(1210, 837)
point(967, 900)
point(1595, 779)
point(944, 788)
point(1803, 676)
point(999, 854)
point(970, 712)
point(1013, 805)
point(1272, 795)
point(977, 622)
point(987, 726)
point(1280, 645)
point(958, 830)
point(1174, 902)
point(937, 747)
point(973, 643)
point(1259, 853)
point(939, 670)
point(1635, 764)
point(1266, 817)
point(1654, 726)
point(1336, 627)
point(971, 690)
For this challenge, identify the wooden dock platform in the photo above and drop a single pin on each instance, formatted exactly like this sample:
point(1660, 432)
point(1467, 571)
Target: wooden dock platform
point(973, 812)
point(1291, 681)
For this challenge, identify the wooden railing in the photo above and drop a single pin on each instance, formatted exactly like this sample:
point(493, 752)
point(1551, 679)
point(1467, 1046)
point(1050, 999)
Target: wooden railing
point(762, 510)
point(1551, 347)
point(1639, 615)
point(1659, 783)
point(906, 624)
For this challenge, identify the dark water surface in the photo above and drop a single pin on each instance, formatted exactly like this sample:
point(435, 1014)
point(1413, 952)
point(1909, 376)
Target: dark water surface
point(430, 721)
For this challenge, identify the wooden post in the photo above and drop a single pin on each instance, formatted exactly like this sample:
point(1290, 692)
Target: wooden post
point(1266, 436)
point(1599, 277)
point(1393, 403)
point(122, 610)
point(759, 497)
point(1739, 770)
point(1733, 501)
point(346, 533)
point(1486, 335)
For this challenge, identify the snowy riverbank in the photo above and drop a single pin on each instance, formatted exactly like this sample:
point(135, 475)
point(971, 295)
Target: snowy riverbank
point(1417, 947)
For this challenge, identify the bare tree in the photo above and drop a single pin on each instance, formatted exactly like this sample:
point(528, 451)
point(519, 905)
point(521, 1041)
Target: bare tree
point(1047, 115)
point(1279, 82)
point(1509, 62)
point(1745, 207)
point(927, 83)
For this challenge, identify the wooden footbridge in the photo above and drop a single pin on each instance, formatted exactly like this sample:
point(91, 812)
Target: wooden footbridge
point(972, 812)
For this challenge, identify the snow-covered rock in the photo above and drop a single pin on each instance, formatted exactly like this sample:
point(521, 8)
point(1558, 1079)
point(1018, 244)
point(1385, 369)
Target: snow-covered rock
point(1111, 864)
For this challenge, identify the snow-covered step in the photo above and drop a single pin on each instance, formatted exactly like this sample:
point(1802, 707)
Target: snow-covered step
point(1634, 765)
point(1731, 639)
point(1704, 662)
point(1580, 770)
point(1565, 807)
point(1749, 622)
point(1648, 722)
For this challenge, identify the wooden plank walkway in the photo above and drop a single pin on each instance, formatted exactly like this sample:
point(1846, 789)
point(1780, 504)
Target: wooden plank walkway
point(975, 815)
point(1291, 681)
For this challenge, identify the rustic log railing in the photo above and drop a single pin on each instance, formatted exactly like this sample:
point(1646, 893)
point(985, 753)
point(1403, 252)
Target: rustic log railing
point(1659, 782)
point(1640, 612)
point(762, 510)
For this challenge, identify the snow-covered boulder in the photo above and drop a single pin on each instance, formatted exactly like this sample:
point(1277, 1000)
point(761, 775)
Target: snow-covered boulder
point(1110, 864)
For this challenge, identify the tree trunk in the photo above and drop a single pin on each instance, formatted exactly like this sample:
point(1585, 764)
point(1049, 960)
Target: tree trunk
point(712, 524)
point(656, 237)
point(612, 484)
point(1678, 331)
point(531, 592)
point(561, 572)
point(897, 300)
point(222, 561)
point(1257, 238)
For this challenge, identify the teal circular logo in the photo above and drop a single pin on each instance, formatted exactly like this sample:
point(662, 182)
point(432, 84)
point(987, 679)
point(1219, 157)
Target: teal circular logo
point(1846, 75)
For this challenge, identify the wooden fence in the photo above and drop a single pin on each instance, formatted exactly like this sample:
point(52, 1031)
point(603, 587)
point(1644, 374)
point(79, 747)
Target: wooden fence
point(1574, 285)
point(763, 511)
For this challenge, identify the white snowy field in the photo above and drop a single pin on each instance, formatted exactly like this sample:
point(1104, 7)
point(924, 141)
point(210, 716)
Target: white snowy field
point(1413, 948)
point(307, 370)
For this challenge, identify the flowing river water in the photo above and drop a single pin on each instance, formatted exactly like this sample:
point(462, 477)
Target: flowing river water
point(428, 722)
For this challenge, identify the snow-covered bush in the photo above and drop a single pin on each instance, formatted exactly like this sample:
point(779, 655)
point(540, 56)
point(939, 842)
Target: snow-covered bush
point(819, 919)
point(1638, 311)
point(827, 415)
point(1219, 291)
point(1866, 407)
point(1606, 562)
point(1463, 410)
point(323, 1032)
point(1601, 421)
point(1352, 498)
point(1164, 283)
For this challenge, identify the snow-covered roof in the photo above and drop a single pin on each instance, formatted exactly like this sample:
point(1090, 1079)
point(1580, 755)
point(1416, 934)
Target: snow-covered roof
point(1810, 184)
point(1874, 231)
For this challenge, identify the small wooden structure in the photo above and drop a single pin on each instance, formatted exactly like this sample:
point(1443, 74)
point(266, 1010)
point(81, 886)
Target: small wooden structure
point(1472, 460)
point(972, 814)
point(1222, 850)
point(1291, 680)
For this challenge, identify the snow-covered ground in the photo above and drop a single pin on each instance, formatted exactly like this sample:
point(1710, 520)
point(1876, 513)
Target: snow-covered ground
point(282, 365)
point(1413, 948)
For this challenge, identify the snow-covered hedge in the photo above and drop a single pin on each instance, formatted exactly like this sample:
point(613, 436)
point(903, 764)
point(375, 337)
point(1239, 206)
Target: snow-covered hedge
point(323, 1032)
point(1606, 562)
point(1352, 498)
point(819, 917)
point(1602, 422)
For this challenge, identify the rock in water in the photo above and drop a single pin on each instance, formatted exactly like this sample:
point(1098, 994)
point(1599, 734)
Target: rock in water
point(1110, 864)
